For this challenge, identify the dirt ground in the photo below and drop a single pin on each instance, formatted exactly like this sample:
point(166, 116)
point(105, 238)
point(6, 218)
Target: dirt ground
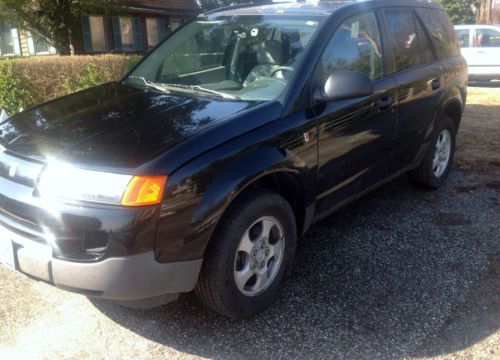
point(478, 153)
point(399, 274)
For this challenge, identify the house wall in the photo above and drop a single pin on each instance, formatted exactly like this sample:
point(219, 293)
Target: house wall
point(23, 39)
point(169, 11)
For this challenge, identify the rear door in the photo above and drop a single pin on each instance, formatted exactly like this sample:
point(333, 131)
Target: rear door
point(420, 81)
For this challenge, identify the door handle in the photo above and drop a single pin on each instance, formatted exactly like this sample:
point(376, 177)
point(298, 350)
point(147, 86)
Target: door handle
point(385, 102)
point(436, 83)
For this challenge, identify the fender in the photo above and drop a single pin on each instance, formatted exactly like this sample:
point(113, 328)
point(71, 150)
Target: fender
point(194, 220)
point(240, 174)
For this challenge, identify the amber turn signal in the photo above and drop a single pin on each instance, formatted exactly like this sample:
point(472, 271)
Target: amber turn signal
point(144, 190)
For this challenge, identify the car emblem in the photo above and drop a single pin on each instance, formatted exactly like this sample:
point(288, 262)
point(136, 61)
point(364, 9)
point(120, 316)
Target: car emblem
point(12, 170)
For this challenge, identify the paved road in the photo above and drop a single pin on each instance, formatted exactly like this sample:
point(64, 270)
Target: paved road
point(400, 273)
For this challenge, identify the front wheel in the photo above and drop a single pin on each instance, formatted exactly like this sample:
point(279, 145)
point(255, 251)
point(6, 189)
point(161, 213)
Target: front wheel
point(250, 254)
point(436, 165)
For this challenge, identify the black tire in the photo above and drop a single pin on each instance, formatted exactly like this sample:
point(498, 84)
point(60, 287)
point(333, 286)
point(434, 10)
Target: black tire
point(217, 286)
point(423, 175)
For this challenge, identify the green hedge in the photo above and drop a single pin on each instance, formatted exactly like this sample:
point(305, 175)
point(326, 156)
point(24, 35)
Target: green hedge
point(31, 81)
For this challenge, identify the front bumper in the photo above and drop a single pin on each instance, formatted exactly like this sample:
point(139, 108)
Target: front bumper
point(484, 73)
point(131, 279)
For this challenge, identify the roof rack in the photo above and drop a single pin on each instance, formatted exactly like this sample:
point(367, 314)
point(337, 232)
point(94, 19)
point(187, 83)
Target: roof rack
point(251, 3)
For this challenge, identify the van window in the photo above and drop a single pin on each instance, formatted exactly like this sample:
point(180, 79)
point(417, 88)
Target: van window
point(403, 38)
point(441, 31)
point(487, 38)
point(355, 46)
point(463, 37)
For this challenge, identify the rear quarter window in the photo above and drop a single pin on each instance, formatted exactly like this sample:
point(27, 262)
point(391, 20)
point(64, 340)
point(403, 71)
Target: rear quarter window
point(441, 31)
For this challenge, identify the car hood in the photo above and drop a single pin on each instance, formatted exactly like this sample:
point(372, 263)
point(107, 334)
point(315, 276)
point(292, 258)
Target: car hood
point(112, 125)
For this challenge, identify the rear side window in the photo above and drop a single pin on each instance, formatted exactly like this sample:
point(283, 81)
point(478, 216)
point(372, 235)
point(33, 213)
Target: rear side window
point(441, 31)
point(426, 53)
point(487, 38)
point(355, 46)
point(404, 39)
point(463, 37)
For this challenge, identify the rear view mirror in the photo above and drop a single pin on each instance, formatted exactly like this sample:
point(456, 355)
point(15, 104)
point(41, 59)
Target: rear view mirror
point(345, 84)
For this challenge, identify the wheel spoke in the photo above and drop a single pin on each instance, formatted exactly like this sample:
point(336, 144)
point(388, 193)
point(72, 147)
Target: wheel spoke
point(243, 276)
point(435, 162)
point(262, 279)
point(267, 226)
point(277, 249)
point(246, 244)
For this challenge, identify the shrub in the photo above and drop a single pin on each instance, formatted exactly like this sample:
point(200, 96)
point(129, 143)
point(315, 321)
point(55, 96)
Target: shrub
point(30, 81)
point(89, 78)
point(13, 94)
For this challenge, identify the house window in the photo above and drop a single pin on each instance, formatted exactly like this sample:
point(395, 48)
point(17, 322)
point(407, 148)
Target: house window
point(156, 30)
point(9, 42)
point(97, 33)
point(127, 33)
point(175, 24)
point(152, 29)
point(37, 45)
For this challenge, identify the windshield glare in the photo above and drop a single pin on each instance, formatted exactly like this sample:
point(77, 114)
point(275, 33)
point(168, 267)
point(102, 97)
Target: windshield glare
point(239, 57)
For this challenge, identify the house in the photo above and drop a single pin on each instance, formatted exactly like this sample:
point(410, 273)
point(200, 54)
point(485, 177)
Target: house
point(140, 25)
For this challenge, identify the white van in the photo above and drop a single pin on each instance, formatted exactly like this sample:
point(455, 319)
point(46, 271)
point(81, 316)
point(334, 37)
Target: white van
point(480, 45)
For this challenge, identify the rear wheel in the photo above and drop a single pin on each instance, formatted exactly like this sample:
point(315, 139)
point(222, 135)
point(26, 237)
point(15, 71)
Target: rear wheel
point(249, 256)
point(436, 166)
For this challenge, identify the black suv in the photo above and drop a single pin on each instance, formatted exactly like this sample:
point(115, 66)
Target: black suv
point(205, 164)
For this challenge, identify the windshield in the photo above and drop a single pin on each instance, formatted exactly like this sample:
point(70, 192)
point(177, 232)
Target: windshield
point(236, 57)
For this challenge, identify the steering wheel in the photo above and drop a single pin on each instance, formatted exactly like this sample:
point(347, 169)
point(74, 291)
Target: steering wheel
point(281, 68)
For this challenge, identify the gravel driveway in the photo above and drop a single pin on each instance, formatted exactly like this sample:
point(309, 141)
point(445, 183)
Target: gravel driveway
point(400, 273)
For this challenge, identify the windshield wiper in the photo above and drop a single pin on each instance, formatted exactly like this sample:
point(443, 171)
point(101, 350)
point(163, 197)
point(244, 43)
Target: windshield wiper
point(201, 89)
point(149, 83)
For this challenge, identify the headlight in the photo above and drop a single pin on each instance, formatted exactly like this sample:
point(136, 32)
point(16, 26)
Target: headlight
point(63, 181)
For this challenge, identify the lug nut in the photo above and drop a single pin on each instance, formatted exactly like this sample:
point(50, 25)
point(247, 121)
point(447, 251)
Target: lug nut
point(267, 252)
point(262, 264)
point(254, 265)
point(254, 252)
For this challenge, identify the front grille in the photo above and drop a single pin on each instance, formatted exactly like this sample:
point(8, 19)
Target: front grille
point(19, 170)
point(20, 227)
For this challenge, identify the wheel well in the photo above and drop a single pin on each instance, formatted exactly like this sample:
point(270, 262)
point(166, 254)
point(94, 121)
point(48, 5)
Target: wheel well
point(288, 186)
point(454, 111)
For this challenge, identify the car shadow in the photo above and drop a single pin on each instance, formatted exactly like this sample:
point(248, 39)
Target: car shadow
point(378, 279)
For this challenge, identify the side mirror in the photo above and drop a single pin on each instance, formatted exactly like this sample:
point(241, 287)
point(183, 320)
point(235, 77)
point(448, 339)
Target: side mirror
point(345, 84)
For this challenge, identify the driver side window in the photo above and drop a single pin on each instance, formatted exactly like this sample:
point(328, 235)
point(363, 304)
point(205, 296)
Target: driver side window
point(355, 46)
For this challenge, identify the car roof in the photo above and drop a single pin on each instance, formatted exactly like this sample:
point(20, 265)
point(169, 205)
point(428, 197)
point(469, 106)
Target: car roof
point(477, 26)
point(309, 8)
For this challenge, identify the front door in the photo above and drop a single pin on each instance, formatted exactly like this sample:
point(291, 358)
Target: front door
point(355, 135)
